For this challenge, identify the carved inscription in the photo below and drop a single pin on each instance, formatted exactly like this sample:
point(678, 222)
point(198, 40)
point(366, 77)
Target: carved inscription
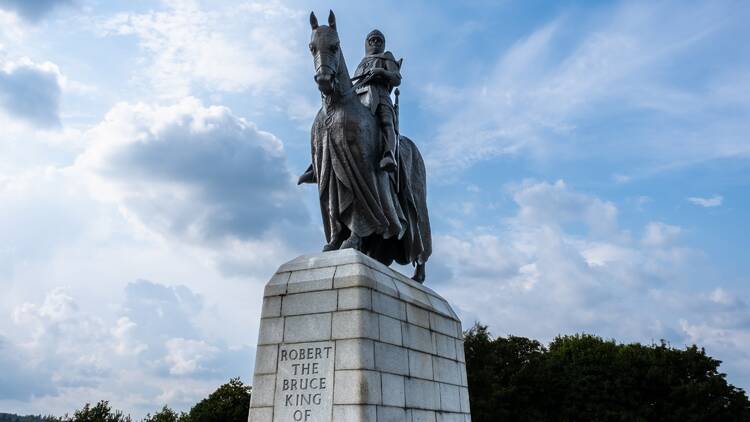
point(304, 382)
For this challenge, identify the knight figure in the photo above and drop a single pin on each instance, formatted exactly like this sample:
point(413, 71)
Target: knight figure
point(377, 74)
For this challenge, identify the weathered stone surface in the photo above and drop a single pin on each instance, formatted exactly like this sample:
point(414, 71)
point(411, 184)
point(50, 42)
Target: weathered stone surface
point(309, 303)
point(307, 328)
point(357, 387)
point(390, 358)
point(356, 324)
point(396, 348)
point(355, 353)
point(390, 330)
point(354, 413)
point(393, 390)
point(355, 298)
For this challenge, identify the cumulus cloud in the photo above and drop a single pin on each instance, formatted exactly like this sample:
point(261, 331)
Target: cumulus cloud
point(32, 10)
point(31, 91)
point(544, 275)
point(151, 353)
point(192, 172)
point(714, 201)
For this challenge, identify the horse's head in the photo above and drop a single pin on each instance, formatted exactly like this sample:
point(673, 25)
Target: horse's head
point(326, 51)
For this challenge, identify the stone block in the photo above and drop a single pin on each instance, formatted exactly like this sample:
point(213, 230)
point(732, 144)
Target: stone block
point(460, 351)
point(417, 338)
point(392, 414)
point(356, 324)
point(442, 307)
point(464, 399)
point(411, 294)
point(329, 259)
point(393, 390)
point(389, 306)
point(263, 390)
point(354, 275)
point(444, 346)
point(277, 285)
point(271, 331)
point(450, 417)
point(450, 400)
point(385, 283)
point(309, 303)
point(420, 365)
point(310, 280)
point(260, 414)
point(446, 370)
point(355, 354)
point(354, 413)
point(422, 394)
point(355, 298)
point(390, 330)
point(265, 359)
point(422, 416)
point(271, 307)
point(417, 316)
point(443, 325)
point(462, 374)
point(393, 359)
point(357, 387)
point(316, 327)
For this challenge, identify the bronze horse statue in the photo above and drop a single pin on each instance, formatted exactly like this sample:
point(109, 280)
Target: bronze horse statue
point(363, 206)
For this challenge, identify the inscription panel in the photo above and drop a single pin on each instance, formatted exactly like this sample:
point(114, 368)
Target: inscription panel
point(304, 382)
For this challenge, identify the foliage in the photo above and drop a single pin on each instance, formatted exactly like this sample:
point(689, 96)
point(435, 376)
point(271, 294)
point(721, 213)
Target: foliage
point(101, 412)
point(166, 415)
point(229, 403)
point(586, 378)
point(7, 417)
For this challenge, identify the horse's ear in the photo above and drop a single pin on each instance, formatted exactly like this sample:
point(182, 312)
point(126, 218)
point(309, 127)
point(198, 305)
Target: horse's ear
point(313, 21)
point(331, 19)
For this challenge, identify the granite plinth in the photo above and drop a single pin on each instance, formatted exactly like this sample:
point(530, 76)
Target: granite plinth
point(343, 338)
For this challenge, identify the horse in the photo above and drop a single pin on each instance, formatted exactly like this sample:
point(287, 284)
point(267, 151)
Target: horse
point(363, 206)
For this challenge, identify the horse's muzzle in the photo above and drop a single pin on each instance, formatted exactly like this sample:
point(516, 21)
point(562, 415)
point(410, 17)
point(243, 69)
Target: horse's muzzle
point(325, 82)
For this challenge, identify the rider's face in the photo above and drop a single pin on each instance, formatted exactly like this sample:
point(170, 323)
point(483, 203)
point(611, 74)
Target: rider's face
point(375, 45)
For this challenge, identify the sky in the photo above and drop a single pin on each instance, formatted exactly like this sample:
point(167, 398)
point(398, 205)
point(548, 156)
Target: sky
point(588, 171)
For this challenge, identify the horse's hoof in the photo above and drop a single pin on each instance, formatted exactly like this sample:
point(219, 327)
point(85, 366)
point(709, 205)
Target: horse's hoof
point(353, 242)
point(419, 274)
point(329, 247)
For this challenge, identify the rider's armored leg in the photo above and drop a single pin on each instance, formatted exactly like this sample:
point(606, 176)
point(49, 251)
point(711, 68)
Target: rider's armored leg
point(385, 115)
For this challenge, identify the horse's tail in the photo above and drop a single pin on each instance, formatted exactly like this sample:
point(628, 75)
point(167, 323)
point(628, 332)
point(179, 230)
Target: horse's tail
point(413, 197)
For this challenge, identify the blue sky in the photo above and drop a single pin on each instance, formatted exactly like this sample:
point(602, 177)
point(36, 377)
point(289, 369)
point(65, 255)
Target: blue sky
point(588, 171)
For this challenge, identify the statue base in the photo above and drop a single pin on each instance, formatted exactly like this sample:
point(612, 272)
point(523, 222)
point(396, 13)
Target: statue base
point(344, 338)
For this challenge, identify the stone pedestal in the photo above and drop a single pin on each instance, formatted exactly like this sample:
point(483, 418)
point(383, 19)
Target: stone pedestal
point(344, 338)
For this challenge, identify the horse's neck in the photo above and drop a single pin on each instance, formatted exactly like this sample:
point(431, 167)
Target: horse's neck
point(344, 80)
point(343, 85)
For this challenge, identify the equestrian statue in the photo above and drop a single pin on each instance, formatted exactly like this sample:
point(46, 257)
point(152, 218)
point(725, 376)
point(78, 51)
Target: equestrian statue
point(371, 180)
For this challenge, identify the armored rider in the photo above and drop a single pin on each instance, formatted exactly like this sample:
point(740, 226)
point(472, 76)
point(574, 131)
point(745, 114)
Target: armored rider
point(377, 74)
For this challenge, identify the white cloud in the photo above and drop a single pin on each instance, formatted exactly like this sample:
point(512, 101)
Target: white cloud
point(544, 97)
point(714, 201)
point(660, 234)
point(186, 356)
point(31, 91)
point(250, 46)
point(194, 172)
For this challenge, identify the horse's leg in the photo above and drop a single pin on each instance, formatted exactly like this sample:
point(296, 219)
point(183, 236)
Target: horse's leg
point(336, 240)
point(353, 242)
point(419, 273)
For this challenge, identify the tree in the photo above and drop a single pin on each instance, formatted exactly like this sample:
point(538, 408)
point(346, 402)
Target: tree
point(101, 412)
point(166, 415)
point(229, 403)
point(586, 378)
